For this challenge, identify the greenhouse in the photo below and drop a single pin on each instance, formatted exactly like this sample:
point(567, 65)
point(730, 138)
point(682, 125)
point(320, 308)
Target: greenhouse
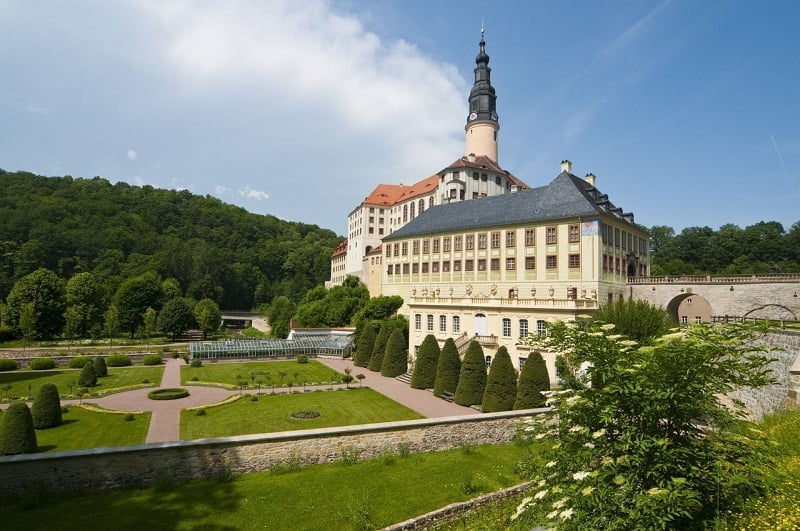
point(310, 344)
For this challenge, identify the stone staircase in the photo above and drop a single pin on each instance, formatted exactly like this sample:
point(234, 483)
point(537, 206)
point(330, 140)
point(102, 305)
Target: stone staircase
point(405, 378)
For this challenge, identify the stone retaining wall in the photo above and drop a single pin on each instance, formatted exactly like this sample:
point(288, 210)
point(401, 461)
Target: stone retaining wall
point(63, 361)
point(144, 464)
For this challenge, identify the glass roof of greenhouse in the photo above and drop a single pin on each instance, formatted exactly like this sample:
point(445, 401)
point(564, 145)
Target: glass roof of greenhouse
point(316, 342)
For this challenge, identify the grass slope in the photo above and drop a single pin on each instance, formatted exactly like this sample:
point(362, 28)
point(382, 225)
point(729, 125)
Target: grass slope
point(226, 373)
point(117, 377)
point(271, 413)
point(367, 495)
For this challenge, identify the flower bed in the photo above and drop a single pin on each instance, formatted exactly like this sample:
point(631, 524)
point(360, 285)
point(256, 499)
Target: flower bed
point(168, 394)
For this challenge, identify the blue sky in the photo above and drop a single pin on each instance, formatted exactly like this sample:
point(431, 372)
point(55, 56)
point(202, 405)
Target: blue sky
point(686, 110)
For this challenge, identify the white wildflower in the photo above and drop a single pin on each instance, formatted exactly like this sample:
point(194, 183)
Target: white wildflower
point(551, 464)
point(560, 503)
point(571, 400)
point(539, 495)
point(521, 507)
point(608, 326)
point(589, 445)
point(587, 490)
point(567, 514)
point(577, 476)
point(552, 515)
point(540, 436)
point(576, 428)
point(599, 433)
point(541, 483)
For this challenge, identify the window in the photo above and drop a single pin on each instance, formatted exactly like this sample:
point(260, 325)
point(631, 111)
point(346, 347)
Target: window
point(413, 211)
point(551, 261)
point(468, 265)
point(442, 323)
point(430, 323)
point(523, 328)
point(506, 327)
point(435, 267)
point(684, 319)
point(484, 177)
point(482, 264)
point(430, 202)
point(425, 267)
point(426, 246)
point(574, 233)
point(415, 247)
point(497, 180)
point(530, 237)
point(530, 262)
point(456, 265)
point(415, 268)
point(372, 219)
point(405, 213)
point(551, 235)
point(421, 206)
point(470, 242)
point(405, 249)
point(510, 238)
point(488, 361)
point(405, 269)
point(418, 322)
point(541, 328)
point(436, 245)
point(511, 264)
point(397, 249)
point(446, 266)
point(388, 251)
point(522, 363)
point(445, 244)
point(574, 260)
point(482, 241)
point(495, 240)
point(457, 243)
point(456, 324)
point(698, 319)
point(495, 264)
point(389, 270)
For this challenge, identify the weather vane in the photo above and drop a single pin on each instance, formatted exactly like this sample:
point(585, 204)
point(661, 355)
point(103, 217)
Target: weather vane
point(482, 28)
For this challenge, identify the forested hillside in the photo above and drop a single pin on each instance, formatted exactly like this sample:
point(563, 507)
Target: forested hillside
point(762, 248)
point(118, 231)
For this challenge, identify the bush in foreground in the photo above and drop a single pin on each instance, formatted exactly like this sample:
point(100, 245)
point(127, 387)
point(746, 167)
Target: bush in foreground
point(42, 364)
point(501, 384)
point(118, 360)
point(448, 369)
point(8, 365)
point(46, 409)
point(425, 365)
point(472, 380)
point(17, 435)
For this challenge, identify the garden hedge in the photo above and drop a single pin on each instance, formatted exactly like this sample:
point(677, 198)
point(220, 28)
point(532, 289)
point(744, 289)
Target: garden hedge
point(366, 342)
point(88, 378)
point(17, 435)
point(501, 385)
point(8, 365)
point(46, 409)
point(171, 393)
point(379, 349)
point(533, 379)
point(78, 362)
point(41, 364)
point(118, 360)
point(425, 365)
point(472, 380)
point(395, 360)
point(152, 359)
point(448, 369)
point(100, 368)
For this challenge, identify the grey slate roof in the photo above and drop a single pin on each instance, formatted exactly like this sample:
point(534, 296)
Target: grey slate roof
point(565, 197)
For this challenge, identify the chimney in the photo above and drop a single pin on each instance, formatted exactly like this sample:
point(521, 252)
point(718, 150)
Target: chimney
point(471, 157)
point(591, 179)
point(566, 166)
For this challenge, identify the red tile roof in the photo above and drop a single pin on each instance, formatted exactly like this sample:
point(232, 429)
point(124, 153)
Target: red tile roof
point(391, 194)
point(483, 162)
point(340, 249)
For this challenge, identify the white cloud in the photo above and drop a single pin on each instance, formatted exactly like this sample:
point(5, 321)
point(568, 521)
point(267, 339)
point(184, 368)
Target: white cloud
point(253, 194)
point(132, 155)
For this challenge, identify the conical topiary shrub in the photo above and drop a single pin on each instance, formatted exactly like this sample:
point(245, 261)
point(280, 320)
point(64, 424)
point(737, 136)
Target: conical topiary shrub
point(17, 435)
point(100, 369)
point(425, 365)
point(472, 380)
point(363, 352)
point(46, 409)
point(448, 369)
point(533, 379)
point(87, 378)
point(395, 360)
point(379, 349)
point(501, 385)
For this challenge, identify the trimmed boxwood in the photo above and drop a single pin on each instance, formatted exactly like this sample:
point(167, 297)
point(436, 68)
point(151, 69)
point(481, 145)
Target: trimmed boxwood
point(168, 393)
point(100, 367)
point(425, 365)
point(41, 364)
point(118, 360)
point(17, 435)
point(395, 360)
point(472, 381)
point(363, 352)
point(533, 379)
point(46, 409)
point(88, 378)
point(152, 359)
point(8, 365)
point(78, 362)
point(501, 385)
point(379, 349)
point(448, 369)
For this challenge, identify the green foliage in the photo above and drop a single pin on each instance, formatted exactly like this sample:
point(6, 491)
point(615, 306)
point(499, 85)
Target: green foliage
point(533, 380)
point(42, 364)
point(196, 363)
point(448, 369)
point(635, 319)
point(8, 365)
point(366, 341)
point(118, 360)
point(175, 317)
point(380, 308)
point(46, 409)
point(152, 359)
point(335, 307)
point(84, 298)
point(100, 368)
point(87, 378)
point(302, 359)
point(279, 315)
point(168, 393)
point(45, 292)
point(17, 435)
point(133, 298)
point(424, 376)
point(208, 316)
point(501, 384)
point(395, 360)
point(78, 362)
point(643, 440)
point(379, 348)
point(472, 380)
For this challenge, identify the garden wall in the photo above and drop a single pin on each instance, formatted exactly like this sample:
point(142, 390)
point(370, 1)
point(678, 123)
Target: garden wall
point(144, 464)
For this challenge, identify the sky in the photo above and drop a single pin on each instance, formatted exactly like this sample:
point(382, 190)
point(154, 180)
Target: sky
point(686, 110)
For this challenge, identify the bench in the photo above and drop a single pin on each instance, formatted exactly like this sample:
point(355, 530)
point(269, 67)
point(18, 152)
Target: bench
point(447, 395)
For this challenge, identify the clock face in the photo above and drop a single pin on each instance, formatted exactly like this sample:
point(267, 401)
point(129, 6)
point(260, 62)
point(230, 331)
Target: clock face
point(494, 116)
point(473, 115)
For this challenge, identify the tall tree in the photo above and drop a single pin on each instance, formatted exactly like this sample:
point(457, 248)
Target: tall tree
point(364, 348)
point(85, 295)
point(501, 385)
point(448, 369)
point(424, 376)
point(175, 317)
point(133, 298)
point(45, 291)
point(472, 380)
point(279, 315)
point(208, 316)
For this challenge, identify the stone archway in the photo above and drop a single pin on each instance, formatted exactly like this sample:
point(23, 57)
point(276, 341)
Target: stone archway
point(689, 308)
point(774, 312)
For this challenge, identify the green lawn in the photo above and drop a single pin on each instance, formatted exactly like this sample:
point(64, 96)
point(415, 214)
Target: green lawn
point(366, 495)
point(88, 429)
point(21, 380)
point(271, 413)
point(268, 372)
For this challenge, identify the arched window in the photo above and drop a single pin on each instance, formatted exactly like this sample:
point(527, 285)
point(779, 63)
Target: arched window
point(421, 206)
point(405, 213)
point(413, 213)
point(430, 201)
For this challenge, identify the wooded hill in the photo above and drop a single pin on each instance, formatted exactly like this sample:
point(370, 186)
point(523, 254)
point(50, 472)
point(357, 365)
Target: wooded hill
point(118, 231)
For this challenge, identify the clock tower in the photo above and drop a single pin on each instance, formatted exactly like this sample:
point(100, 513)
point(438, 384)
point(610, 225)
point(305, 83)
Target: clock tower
point(482, 125)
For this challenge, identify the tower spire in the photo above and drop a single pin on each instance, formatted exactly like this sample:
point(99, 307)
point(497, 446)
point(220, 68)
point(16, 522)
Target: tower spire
point(482, 121)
